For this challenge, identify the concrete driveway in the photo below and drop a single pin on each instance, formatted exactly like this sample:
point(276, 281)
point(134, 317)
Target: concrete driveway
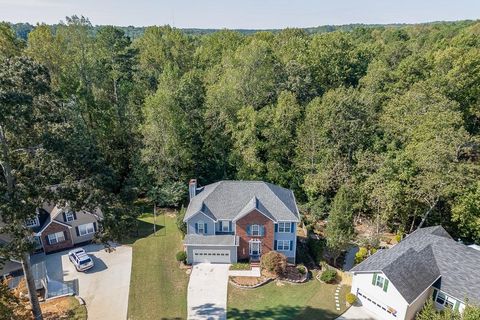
point(207, 292)
point(105, 287)
point(358, 313)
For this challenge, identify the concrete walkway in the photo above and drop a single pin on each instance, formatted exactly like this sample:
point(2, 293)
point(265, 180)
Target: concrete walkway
point(358, 313)
point(254, 272)
point(207, 292)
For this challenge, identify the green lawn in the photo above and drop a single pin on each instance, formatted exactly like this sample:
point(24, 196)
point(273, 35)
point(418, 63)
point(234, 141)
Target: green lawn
point(158, 288)
point(312, 300)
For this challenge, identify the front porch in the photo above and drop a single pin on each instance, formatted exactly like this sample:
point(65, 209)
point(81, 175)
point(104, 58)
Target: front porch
point(254, 250)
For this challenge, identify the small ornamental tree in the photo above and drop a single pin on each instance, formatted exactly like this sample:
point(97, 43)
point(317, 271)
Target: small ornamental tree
point(339, 231)
point(274, 263)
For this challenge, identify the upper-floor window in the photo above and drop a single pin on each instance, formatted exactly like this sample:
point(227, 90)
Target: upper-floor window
point(69, 216)
point(380, 281)
point(225, 226)
point(32, 222)
point(201, 227)
point(255, 230)
point(85, 229)
point(284, 227)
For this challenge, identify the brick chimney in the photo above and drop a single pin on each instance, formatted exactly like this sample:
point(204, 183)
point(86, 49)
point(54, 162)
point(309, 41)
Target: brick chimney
point(192, 188)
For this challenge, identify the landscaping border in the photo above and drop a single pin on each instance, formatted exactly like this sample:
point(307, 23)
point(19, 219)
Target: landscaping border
point(250, 287)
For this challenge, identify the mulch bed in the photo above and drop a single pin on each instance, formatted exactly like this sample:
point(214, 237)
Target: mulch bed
point(292, 273)
point(249, 282)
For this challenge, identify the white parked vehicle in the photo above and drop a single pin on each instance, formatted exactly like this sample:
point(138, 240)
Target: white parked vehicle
point(80, 259)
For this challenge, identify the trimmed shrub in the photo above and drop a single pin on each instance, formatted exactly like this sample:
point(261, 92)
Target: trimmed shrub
point(274, 263)
point(329, 276)
point(301, 269)
point(181, 256)
point(350, 298)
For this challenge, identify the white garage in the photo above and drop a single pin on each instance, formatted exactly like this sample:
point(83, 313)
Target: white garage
point(211, 249)
point(378, 308)
point(211, 256)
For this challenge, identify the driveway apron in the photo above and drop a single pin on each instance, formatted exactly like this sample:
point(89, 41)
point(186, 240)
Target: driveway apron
point(207, 292)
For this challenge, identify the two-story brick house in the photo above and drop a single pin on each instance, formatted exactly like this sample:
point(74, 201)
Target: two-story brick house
point(229, 221)
point(56, 228)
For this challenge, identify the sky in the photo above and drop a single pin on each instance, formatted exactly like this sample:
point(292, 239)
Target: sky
point(240, 14)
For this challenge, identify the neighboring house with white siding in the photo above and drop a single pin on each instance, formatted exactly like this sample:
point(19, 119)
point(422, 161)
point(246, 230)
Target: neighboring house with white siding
point(428, 264)
point(240, 220)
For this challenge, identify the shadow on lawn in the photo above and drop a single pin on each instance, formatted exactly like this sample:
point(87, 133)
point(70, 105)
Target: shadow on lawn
point(144, 229)
point(282, 313)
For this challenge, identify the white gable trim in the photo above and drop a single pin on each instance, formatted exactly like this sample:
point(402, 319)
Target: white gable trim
point(248, 212)
point(193, 215)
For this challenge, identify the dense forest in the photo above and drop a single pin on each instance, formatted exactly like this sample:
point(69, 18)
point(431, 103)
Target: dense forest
point(386, 118)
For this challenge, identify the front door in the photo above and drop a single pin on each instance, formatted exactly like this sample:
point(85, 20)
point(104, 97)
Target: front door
point(255, 248)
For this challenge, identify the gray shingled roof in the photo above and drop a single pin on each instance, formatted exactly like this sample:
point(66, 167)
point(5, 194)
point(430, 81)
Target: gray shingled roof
point(423, 256)
point(229, 199)
point(218, 240)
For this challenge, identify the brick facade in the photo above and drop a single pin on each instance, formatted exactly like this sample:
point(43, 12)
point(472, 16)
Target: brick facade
point(54, 228)
point(267, 239)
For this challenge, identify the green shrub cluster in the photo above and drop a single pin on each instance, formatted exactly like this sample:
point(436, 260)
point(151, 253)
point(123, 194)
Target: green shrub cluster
point(181, 256)
point(363, 254)
point(329, 276)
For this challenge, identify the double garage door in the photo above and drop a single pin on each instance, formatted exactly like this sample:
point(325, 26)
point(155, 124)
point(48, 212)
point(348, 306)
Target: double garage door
point(211, 256)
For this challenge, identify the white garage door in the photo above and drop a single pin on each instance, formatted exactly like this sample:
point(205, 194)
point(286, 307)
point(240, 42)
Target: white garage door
point(212, 256)
point(378, 308)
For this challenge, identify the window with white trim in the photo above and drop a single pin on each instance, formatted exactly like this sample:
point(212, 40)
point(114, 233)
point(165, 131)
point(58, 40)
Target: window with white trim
point(283, 245)
point(56, 237)
point(445, 300)
point(32, 222)
point(379, 282)
point(225, 226)
point(201, 227)
point(284, 227)
point(85, 229)
point(69, 216)
point(255, 230)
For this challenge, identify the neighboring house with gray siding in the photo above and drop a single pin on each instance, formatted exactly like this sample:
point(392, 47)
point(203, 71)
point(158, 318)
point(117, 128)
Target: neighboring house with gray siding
point(229, 221)
point(428, 264)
